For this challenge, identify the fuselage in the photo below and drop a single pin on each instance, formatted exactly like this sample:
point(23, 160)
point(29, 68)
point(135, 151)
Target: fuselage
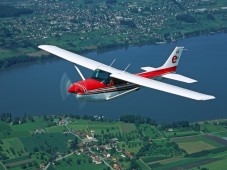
point(101, 86)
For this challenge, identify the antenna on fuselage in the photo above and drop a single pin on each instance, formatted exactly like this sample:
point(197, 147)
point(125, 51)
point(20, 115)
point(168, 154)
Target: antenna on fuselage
point(126, 67)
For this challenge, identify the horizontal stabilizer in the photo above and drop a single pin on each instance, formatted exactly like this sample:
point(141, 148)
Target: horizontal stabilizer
point(179, 77)
point(148, 68)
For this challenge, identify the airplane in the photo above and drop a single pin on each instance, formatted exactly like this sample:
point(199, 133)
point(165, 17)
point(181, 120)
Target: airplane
point(108, 83)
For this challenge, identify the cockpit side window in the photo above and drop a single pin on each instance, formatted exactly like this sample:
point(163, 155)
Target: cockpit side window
point(101, 76)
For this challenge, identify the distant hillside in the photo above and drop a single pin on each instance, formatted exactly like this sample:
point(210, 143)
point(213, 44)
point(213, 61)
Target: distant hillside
point(10, 11)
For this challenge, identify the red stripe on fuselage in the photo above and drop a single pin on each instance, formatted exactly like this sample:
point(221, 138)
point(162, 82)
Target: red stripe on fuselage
point(91, 84)
point(156, 73)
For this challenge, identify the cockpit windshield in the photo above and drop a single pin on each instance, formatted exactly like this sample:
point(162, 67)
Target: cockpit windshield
point(101, 76)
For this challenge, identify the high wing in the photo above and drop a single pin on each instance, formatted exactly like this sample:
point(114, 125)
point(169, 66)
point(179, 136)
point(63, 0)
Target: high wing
point(157, 85)
point(119, 74)
point(77, 59)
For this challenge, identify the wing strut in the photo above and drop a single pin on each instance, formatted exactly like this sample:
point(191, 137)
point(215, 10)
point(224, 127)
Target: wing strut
point(123, 93)
point(78, 70)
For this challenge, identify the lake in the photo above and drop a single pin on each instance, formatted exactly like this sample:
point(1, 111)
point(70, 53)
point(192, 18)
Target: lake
point(35, 88)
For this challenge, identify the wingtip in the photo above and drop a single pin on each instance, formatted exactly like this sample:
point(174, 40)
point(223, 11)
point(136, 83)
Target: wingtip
point(209, 98)
point(43, 47)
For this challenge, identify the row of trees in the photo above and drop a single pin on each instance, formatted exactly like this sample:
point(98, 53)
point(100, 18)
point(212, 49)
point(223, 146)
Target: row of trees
point(137, 119)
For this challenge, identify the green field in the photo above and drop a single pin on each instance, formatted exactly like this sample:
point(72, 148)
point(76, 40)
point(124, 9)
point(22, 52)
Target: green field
point(150, 131)
point(212, 128)
point(113, 127)
point(196, 146)
point(55, 129)
point(54, 141)
point(30, 126)
point(72, 164)
point(127, 127)
point(221, 134)
point(197, 138)
point(143, 165)
point(4, 127)
point(181, 133)
point(10, 149)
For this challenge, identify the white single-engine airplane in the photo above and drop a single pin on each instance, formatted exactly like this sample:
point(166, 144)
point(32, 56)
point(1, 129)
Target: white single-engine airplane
point(107, 82)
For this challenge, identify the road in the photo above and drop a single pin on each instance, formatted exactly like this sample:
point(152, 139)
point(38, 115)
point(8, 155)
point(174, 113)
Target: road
point(3, 165)
point(106, 163)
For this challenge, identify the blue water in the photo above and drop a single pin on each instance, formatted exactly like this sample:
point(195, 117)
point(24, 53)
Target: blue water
point(35, 88)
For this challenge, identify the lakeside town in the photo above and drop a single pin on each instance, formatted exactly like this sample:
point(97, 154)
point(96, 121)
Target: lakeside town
point(95, 25)
point(133, 142)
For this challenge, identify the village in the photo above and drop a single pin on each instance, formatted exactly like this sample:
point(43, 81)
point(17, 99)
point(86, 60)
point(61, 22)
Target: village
point(124, 22)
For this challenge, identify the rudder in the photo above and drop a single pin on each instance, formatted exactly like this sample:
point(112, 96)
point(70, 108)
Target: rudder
point(174, 58)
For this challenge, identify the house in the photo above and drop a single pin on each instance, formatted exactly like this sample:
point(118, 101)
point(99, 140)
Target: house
point(90, 135)
point(115, 166)
point(118, 149)
point(107, 147)
point(114, 159)
point(106, 154)
point(123, 156)
point(114, 141)
point(128, 154)
point(97, 160)
point(170, 130)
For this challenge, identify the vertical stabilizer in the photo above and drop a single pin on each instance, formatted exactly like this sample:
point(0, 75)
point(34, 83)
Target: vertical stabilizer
point(174, 58)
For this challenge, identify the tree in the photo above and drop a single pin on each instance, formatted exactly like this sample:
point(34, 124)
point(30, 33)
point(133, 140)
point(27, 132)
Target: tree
point(134, 165)
point(78, 161)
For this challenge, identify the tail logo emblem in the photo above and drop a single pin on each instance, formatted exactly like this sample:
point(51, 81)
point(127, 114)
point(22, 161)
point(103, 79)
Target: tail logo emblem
point(174, 59)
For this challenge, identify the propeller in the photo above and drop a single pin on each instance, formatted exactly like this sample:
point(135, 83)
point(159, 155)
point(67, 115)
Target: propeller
point(65, 83)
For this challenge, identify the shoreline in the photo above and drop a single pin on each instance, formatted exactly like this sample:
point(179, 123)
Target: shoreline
point(25, 59)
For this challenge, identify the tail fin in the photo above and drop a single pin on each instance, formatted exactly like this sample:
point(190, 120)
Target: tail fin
point(174, 58)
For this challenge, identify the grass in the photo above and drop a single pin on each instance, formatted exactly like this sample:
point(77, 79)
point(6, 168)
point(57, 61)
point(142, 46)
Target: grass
point(184, 164)
point(1, 167)
point(221, 134)
point(126, 127)
point(181, 133)
point(13, 144)
point(17, 159)
point(221, 164)
point(132, 146)
point(84, 165)
point(195, 146)
point(149, 159)
point(55, 141)
point(142, 165)
point(212, 128)
point(150, 131)
point(55, 129)
point(97, 126)
point(197, 138)
point(30, 126)
point(4, 127)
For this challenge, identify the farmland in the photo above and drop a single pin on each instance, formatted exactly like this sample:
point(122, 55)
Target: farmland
point(67, 141)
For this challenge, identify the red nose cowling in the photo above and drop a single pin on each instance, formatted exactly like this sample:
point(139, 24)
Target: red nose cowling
point(74, 89)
